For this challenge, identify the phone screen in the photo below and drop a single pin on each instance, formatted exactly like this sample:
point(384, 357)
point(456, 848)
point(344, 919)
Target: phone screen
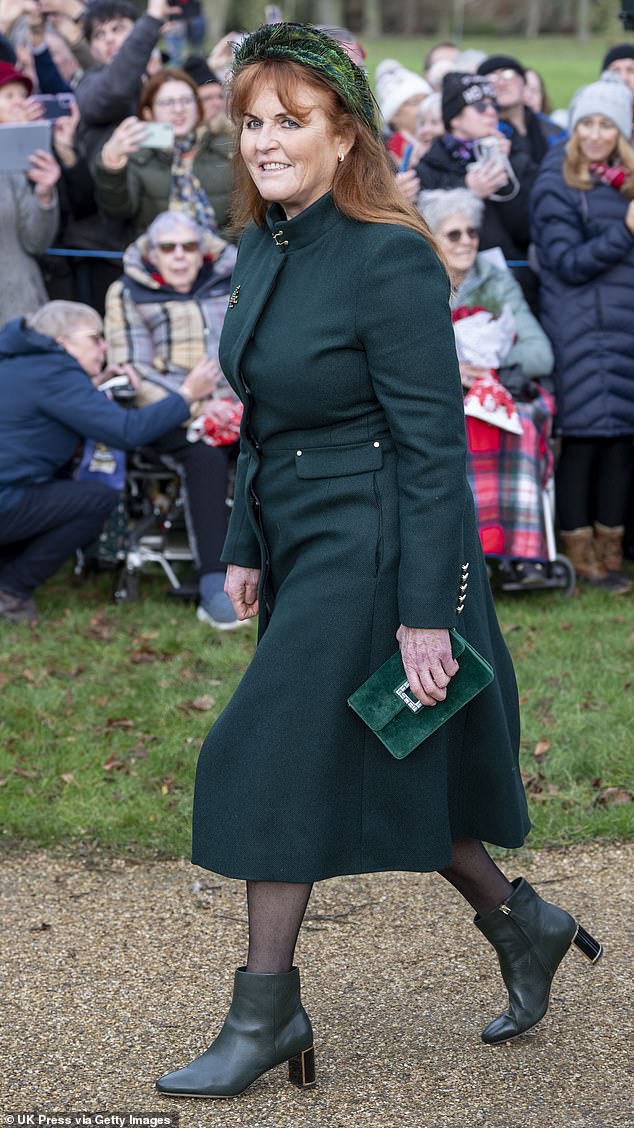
point(158, 135)
point(55, 105)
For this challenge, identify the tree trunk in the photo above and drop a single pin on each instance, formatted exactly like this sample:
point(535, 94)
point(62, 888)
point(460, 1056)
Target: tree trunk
point(533, 18)
point(216, 12)
point(457, 19)
point(372, 24)
point(583, 20)
point(409, 14)
point(329, 12)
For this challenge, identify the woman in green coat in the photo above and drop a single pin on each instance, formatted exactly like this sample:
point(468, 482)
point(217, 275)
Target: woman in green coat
point(352, 528)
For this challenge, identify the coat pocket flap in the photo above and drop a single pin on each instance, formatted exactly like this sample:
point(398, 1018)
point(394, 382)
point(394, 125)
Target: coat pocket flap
point(339, 461)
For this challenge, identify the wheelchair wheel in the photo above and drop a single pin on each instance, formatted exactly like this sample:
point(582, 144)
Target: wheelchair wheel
point(563, 573)
point(126, 587)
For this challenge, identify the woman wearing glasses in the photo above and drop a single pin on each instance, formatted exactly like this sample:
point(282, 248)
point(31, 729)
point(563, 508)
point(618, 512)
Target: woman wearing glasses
point(506, 469)
point(164, 317)
point(138, 176)
point(459, 159)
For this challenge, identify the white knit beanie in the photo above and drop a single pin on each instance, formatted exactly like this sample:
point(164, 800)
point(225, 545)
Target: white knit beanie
point(609, 97)
point(395, 85)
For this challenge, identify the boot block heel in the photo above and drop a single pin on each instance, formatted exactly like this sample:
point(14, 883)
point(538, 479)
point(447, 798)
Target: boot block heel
point(587, 944)
point(301, 1069)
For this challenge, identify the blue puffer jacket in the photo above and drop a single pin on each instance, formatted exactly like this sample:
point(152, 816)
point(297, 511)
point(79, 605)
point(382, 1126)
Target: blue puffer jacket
point(586, 256)
point(47, 403)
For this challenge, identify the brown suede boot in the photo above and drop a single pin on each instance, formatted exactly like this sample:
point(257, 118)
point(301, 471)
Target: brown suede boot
point(581, 551)
point(609, 550)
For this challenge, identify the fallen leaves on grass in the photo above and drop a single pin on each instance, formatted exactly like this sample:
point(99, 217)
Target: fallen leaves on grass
point(118, 723)
point(201, 704)
point(73, 672)
point(25, 773)
point(541, 748)
point(146, 654)
point(613, 797)
point(115, 764)
point(68, 777)
point(537, 786)
point(100, 628)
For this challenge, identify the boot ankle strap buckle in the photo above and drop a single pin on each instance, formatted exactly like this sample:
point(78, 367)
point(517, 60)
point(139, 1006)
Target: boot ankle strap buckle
point(505, 909)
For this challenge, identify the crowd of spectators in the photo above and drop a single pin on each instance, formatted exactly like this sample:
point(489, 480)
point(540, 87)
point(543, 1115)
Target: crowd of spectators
point(116, 149)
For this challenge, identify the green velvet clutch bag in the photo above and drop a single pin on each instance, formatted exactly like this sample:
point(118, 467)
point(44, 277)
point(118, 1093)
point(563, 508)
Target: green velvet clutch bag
point(388, 707)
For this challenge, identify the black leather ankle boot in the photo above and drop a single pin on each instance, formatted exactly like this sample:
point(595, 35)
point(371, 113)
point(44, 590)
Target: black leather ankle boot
point(266, 1025)
point(531, 937)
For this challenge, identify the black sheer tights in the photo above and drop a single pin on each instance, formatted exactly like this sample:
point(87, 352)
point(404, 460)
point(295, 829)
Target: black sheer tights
point(475, 875)
point(276, 908)
point(276, 911)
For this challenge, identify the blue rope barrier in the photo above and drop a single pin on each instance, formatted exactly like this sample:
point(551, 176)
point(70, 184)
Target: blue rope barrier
point(70, 252)
point(63, 252)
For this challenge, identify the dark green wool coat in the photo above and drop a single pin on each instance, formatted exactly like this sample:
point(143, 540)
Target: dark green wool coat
point(351, 495)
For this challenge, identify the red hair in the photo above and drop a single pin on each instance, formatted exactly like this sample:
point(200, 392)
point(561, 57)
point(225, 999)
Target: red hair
point(364, 187)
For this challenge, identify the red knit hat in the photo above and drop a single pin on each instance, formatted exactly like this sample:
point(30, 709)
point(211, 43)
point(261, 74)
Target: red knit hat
point(8, 73)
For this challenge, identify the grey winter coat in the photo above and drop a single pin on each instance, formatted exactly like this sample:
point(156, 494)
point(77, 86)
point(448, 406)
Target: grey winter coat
point(26, 229)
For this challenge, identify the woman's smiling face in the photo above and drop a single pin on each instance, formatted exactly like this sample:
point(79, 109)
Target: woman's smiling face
point(291, 162)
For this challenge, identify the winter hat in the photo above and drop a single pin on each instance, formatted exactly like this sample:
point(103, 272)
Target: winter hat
point(8, 74)
point(501, 62)
point(7, 54)
point(196, 67)
point(620, 51)
point(395, 85)
point(609, 97)
point(460, 90)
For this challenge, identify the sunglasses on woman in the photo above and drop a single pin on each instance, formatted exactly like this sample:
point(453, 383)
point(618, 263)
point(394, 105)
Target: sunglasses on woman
point(456, 234)
point(484, 104)
point(190, 246)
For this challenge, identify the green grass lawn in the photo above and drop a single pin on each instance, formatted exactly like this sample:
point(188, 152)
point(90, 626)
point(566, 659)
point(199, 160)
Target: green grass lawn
point(564, 63)
point(104, 708)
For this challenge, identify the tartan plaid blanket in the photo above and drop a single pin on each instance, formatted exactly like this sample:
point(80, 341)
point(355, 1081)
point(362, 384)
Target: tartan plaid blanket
point(507, 473)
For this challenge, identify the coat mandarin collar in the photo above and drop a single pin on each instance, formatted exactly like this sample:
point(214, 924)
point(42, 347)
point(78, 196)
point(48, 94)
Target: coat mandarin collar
point(294, 234)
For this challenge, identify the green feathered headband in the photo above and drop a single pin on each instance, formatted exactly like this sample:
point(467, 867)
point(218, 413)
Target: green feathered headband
point(300, 43)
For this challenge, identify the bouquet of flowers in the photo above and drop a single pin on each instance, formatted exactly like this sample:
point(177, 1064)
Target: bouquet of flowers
point(219, 424)
point(484, 340)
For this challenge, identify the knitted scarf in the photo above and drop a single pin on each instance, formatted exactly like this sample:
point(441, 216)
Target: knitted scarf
point(186, 192)
point(612, 175)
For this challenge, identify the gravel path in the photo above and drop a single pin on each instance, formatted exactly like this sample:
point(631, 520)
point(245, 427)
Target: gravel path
point(114, 972)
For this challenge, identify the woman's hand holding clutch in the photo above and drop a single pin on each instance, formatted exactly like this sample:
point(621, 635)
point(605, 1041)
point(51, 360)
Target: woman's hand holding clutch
point(241, 585)
point(427, 660)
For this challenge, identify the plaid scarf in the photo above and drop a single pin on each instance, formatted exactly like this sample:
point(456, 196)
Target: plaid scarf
point(612, 175)
point(186, 192)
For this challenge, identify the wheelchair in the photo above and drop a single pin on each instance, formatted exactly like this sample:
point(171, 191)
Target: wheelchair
point(554, 572)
